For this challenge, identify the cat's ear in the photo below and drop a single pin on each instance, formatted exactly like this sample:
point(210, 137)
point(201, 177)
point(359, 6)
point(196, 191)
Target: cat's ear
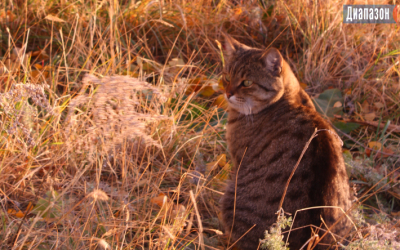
point(232, 46)
point(273, 61)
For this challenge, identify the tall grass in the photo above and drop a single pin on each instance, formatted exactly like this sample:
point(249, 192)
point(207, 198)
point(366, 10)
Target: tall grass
point(113, 126)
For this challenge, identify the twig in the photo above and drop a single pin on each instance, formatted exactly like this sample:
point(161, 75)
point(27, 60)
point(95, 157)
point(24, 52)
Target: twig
point(297, 164)
point(234, 203)
point(326, 231)
point(201, 240)
point(294, 169)
point(310, 239)
point(241, 237)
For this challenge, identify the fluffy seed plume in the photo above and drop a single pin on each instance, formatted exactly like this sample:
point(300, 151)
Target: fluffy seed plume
point(98, 194)
point(119, 108)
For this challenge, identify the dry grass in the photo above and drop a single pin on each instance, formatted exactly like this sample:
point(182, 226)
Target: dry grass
point(132, 158)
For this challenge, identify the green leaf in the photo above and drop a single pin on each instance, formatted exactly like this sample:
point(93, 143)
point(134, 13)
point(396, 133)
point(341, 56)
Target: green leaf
point(346, 127)
point(54, 211)
point(331, 95)
point(325, 101)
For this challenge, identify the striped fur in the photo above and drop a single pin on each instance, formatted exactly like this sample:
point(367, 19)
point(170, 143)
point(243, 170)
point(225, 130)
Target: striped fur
point(265, 145)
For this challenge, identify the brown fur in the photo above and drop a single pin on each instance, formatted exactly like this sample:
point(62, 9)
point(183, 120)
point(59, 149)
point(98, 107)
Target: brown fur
point(269, 124)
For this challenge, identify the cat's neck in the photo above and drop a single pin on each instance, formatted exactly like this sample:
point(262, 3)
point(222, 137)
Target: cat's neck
point(293, 91)
point(282, 106)
point(290, 82)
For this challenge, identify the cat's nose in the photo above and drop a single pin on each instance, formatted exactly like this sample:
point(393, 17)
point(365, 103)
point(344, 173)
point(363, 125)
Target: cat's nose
point(229, 94)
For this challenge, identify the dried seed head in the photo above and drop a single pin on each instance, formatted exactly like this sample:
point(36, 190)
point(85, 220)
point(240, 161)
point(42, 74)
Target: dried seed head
point(117, 110)
point(98, 194)
point(102, 244)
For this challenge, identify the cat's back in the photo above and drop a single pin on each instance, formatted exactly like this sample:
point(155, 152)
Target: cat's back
point(283, 128)
point(265, 148)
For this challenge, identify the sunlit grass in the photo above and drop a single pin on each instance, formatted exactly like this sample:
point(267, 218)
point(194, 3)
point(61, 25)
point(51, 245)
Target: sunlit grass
point(86, 165)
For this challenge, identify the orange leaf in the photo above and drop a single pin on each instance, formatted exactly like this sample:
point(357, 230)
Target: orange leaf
point(54, 19)
point(11, 211)
point(41, 55)
point(375, 145)
point(220, 102)
point(387, 151)
point(195, 84)
point(238, 11)
point(221, 161)
point(303, 85)
point(370, 116)
point(211, 165)
point(379, 105)
point(18, 214)
point(378, 146)
point(365, 107)
point(37, 65)
point(29, 208)
point(221, 84)
point(224, 173)
point(35, 73)
point(207, 91)
point(159, 200)
point(7, 16)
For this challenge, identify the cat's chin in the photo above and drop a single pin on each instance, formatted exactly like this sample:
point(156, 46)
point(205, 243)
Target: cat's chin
point(242, 111)
point(247, 106)
point(240, 105)
point(245, 111)
point(244, 108)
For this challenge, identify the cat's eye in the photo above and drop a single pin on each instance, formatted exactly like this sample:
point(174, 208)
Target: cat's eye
point(247, 83)
point(227, 78)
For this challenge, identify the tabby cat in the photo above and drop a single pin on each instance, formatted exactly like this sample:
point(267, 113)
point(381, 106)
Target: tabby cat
point(270, 120)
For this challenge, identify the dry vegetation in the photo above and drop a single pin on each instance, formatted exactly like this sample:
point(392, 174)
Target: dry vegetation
point(113, 124)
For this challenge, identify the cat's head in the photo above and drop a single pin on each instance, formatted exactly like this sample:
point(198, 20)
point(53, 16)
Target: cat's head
point(252, 77)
